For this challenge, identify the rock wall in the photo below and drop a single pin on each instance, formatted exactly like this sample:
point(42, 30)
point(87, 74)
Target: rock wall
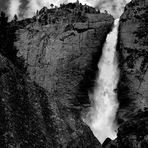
point(64, 56)
point(32, 118)
point(133, 84)
point(41, 102)
point(133, 56)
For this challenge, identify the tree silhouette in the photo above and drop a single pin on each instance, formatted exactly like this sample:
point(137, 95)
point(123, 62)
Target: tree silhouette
point(3, 19)
point(15, 18)
point(52, 5)
point(37, 12)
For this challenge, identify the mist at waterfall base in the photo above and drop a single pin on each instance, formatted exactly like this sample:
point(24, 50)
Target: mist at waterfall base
point(101, 117)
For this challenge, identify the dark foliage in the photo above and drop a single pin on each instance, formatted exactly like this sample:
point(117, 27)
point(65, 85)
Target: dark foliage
point(7, 39)
point(143, 29)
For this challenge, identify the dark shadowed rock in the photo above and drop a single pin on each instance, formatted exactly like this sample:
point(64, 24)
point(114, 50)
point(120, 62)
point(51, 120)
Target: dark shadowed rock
point(106, 142)
point(134, 132)
point(44, 84)
point(32, 118)
point(133, 57)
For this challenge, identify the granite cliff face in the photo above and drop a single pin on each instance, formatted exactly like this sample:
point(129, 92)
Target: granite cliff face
point(32, 118)
point(47, 67)
point(62, 57)
point(133, 84)
point(132, 48)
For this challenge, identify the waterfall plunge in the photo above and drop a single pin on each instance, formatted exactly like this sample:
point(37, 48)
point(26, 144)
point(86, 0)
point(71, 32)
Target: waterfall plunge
point(101, 117)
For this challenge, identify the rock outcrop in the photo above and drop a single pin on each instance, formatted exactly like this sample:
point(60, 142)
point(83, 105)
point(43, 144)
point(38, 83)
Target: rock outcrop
point(132, 133)
point(32, 118)
point(44, 84)
point(61, 56)
point(133, 84)
point(133, 57)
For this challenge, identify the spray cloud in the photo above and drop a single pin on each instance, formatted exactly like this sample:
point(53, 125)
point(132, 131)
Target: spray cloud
point(13, 8)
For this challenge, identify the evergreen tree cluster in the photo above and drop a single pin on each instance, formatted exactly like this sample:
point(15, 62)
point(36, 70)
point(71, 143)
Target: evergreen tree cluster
point(7, 40)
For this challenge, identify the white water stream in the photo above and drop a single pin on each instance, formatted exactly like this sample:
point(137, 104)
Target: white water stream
point(101, 117)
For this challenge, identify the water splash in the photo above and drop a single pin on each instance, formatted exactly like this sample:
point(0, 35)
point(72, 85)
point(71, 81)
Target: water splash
point(101, 117)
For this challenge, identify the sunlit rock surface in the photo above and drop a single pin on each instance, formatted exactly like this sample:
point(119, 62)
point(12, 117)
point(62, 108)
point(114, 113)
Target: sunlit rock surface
point(45, 86)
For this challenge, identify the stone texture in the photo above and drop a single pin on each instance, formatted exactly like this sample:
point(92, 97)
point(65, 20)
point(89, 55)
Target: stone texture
point(132, 133)
point(62, 58)
point(32, 118)
point(44, 87)
point(133, 84)
point(132, 48)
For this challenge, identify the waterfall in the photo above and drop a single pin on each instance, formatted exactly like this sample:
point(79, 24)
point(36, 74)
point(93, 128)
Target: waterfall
point(101, 117)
